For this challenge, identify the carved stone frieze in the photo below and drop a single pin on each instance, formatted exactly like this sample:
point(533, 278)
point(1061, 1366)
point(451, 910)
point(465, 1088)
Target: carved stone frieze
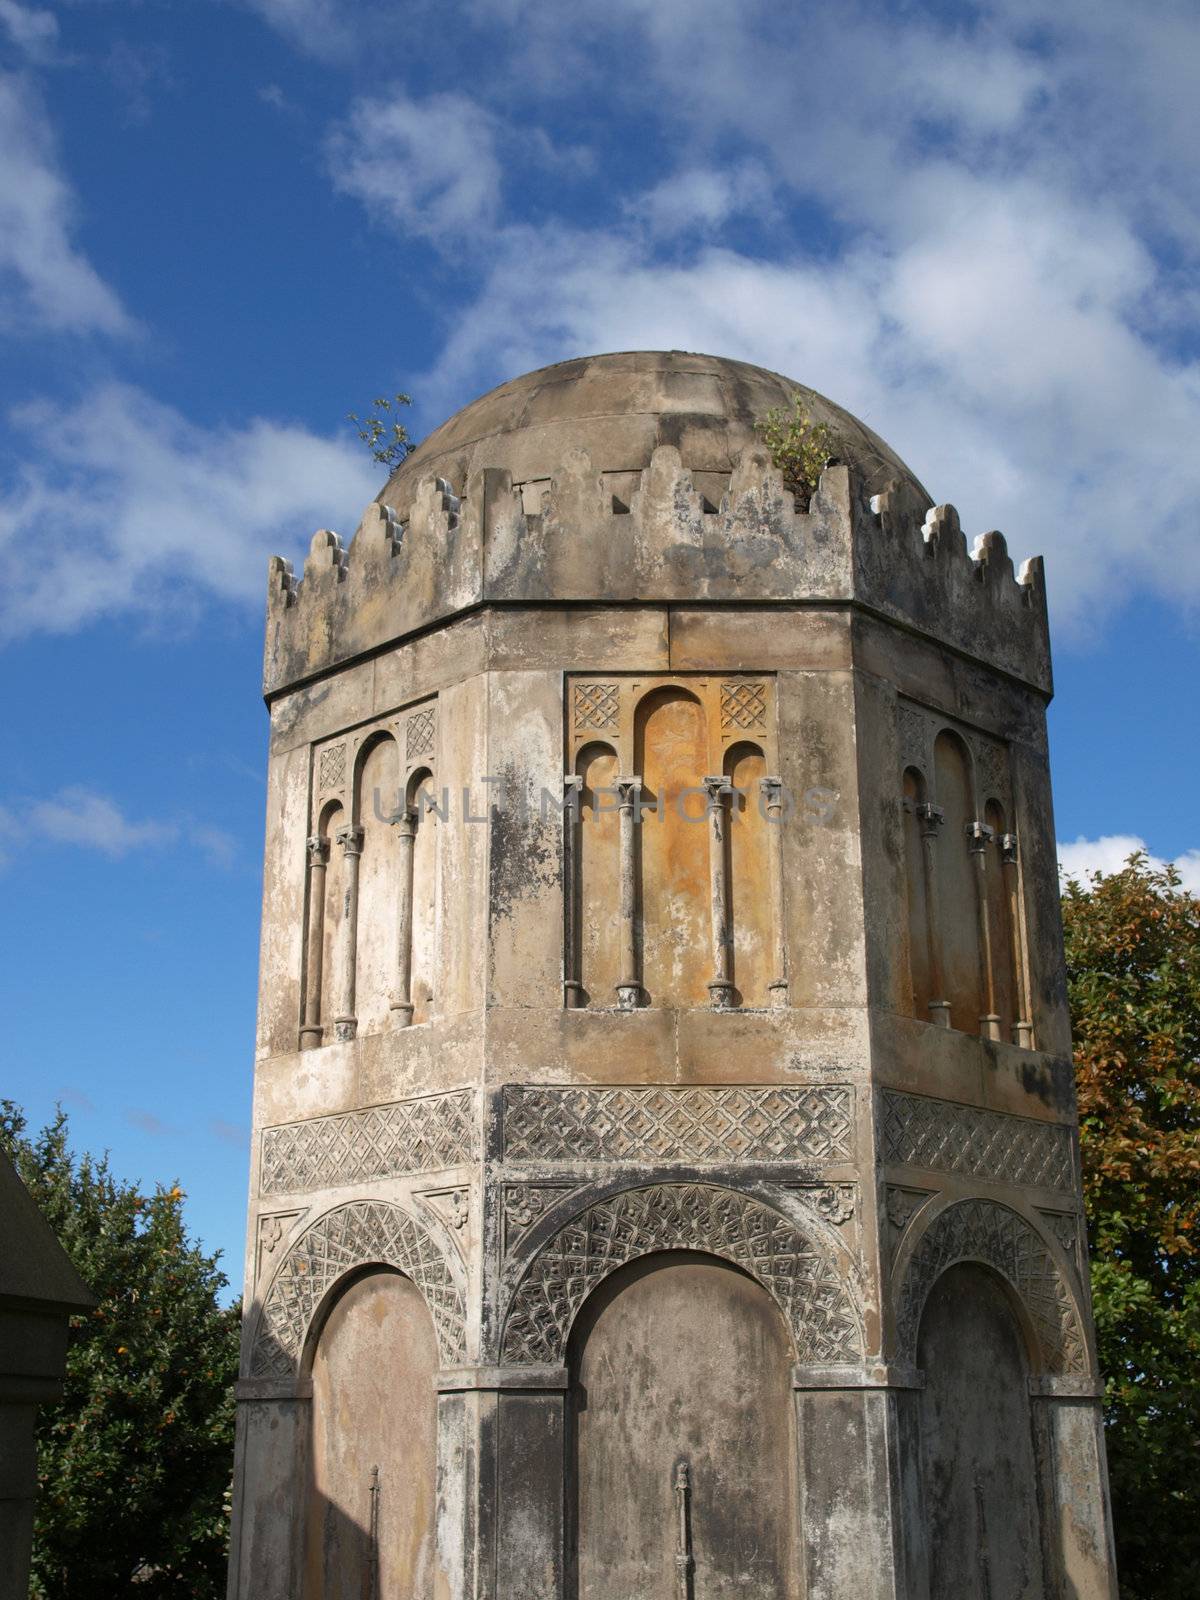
point(364, 1233)
point(914, 730)
point(423, 1135)
point(943, 1136)
point(1065, 1226)
point(802, 1277)
point(419, 733)
point(273, 1229)
point(812, 1122)
point(525, 1204)
point(993, 1234)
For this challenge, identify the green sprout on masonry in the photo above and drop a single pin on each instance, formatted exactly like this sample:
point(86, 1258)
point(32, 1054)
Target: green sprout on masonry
point(384, 435)
point(799, 447)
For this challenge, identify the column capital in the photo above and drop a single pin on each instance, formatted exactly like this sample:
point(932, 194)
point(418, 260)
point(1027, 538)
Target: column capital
point(1008, 849)
point(979, 836)
point(317, 847)
point(404, 820)
point(351, 840)
point(716, 785)
point(628, 789)
point(932, 817)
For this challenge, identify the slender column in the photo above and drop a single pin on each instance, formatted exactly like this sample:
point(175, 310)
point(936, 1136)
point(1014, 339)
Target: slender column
point(311, 1031)
point(405, 823)
point(345, 1023)
point(685, 1564)
point(931, 819)
point(720, 987)
point(572, 909)
point(979, 836)
point(772, 795)
point(629, 986)
point(1023, 1026)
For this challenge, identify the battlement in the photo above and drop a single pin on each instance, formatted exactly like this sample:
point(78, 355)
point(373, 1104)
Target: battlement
point(654, 537)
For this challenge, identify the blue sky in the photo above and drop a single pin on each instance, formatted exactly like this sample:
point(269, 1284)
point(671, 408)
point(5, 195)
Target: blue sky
point(224, 225)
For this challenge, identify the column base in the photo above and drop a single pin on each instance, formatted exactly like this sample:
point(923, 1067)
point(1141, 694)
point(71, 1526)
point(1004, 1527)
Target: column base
point(939, 1013)
point(628, 995)
point(344, 1029)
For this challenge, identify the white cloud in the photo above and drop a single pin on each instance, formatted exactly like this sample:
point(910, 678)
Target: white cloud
point(1108, 854)
point(120, 504)
point(32, 31)
point(44, 278)
point(427, 167)
point(704, 198)
point(85, 819)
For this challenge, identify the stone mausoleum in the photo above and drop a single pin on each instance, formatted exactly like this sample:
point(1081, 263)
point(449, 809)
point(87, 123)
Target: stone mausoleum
point(665, 1179)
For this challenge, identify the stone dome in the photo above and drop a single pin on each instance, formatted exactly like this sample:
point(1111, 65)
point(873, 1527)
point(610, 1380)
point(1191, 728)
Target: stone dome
point(619, 408)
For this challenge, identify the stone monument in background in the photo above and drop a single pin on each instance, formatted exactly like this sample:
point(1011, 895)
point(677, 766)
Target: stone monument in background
point(665, 1176)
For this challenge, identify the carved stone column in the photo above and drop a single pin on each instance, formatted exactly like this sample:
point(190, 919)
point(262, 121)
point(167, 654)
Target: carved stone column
point(720, 987)
point(773, 811)
point(931, 818)
point(1023, 1026)
point(345, 1023)
point(629, 985)
point(405, 823)
point(979, 836)
point(572, 908)
point(311, 1030)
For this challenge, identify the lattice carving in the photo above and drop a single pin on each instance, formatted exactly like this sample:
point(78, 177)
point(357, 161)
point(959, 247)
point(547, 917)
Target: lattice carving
point(425, 1135)
point(331, 768)
point(944, 1137)
point(914, 732)
point(797, 1123)
point(597, 707)
point(419, 734)
point(804, 1281)
point(991, 761)
point(365, 1233)
point(744, 707)
point(987, 1232)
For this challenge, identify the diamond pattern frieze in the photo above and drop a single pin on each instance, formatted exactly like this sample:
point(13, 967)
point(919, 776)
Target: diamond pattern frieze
point(596, 707)
point(945, 1137)
point(697, 1124)
point(744, 706)
point(422, 1135)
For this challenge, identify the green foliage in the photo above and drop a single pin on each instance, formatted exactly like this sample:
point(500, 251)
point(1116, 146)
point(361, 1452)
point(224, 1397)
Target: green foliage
point(374, 429)
point(135, 1462)
point(1133, 967)
point(799, 447)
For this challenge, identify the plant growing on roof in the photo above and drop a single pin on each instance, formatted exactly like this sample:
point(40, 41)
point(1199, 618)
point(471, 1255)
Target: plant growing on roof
point(384, 435)
point(798, 446)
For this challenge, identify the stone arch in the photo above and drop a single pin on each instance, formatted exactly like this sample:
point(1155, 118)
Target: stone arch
point(997, 1237)
point(342, 1241)
point(799, 1272)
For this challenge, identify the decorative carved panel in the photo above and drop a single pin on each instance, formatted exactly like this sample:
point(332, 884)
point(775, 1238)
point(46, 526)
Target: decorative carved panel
point(944, 1137)
point(424, 1135)
point(419, 734)
point(804, 1280)
point(744, 707)
point(596, 707)
point(797, 1123)
point(365, 1233)
point(985, 1231)
point(331, 768)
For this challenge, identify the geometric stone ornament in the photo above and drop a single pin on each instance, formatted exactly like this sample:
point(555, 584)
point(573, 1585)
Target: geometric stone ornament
point(802, 1123)
point(743, 707)
point(795, 1270)
point(525, 1204)
point(425, 1135)
point(332, 770)
point(363, 1233)
point(987, 1232)
point(943, 1136)
point(419, 735)
point(596, 707)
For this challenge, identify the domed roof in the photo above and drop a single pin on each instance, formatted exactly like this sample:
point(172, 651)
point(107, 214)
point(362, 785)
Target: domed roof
point(619, 407)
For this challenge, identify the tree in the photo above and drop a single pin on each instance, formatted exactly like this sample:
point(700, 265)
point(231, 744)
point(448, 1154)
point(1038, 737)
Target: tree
point(135, 1462)
point(798, 446)
point(1133, 968)
point(375, 429)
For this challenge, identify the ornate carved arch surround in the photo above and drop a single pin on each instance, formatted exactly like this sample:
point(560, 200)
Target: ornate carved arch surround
point(360, 1234)
point(998, 1237)
point(798, 1272)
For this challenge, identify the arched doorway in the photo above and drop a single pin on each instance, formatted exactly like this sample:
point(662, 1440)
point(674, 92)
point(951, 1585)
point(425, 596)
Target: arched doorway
point(681, 1358)
point(369, 1531)
point(978, 1471)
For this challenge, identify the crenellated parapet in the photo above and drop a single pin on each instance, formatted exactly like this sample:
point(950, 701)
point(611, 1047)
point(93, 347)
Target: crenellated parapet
point(655, 537)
